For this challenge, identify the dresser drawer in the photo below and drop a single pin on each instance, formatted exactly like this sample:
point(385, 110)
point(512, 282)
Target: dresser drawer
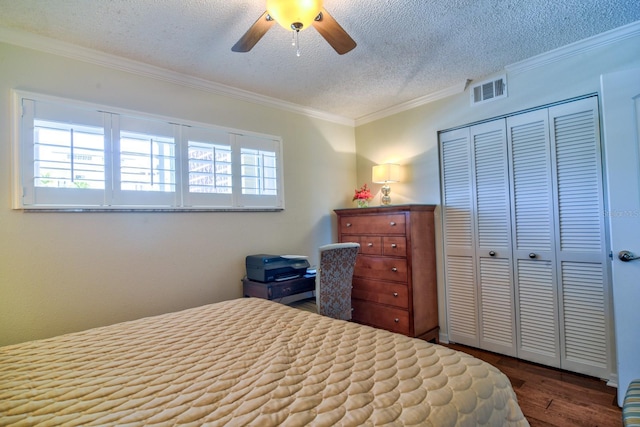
point(373, 224)
point(394, 246)
point(381, 316)
point(389, 293)
point(371, 245)
point(375, 267)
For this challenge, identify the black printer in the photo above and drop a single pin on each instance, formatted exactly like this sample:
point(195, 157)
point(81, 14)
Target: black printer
point(275, 268)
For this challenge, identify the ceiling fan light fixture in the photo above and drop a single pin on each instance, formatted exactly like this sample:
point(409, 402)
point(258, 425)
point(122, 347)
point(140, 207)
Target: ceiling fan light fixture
point(294, 15)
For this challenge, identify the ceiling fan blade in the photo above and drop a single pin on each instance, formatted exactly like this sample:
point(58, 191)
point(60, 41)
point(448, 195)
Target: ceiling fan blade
point(333, 33)
point(254, 34)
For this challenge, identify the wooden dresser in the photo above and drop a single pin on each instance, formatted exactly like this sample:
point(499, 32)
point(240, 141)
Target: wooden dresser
point(394, 281)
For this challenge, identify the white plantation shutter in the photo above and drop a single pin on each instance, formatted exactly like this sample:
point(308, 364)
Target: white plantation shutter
point(209, 164)
point(493, 245)
point(72, 155)
point(259, 172)
point(55, 167)
point(459, 237)
point(145, 163)
point(580, 249)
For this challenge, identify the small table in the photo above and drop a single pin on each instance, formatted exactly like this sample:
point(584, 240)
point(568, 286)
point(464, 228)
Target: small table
point(277, 290)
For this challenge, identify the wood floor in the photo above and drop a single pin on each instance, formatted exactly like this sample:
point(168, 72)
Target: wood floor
point(551, 397)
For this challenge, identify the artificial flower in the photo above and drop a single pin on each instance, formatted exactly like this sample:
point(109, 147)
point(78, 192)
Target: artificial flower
point(363, 193)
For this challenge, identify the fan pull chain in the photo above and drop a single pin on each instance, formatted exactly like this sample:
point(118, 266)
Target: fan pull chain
point(296, 27)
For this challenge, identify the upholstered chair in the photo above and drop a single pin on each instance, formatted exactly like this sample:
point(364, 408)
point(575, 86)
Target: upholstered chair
point(333, 279)
point(333, 282)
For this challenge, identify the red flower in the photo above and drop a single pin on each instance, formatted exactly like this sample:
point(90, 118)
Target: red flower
point(363, 193)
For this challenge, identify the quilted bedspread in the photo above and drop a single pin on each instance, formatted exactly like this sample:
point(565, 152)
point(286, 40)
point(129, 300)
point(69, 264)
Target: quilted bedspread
point(248, 362)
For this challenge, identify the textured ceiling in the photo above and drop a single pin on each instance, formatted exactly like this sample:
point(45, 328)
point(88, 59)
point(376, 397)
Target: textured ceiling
point(407, 49)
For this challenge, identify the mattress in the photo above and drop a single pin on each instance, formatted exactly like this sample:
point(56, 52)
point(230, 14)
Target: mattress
point(248, 362)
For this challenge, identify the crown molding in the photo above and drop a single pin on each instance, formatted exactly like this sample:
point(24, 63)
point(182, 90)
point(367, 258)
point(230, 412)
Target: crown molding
point(47, 45)
point(576, 48)
point(68, 50)
point(418, 102)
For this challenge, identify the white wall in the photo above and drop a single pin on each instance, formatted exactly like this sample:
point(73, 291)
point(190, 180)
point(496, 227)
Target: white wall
point(62, 272)
point(411, 137)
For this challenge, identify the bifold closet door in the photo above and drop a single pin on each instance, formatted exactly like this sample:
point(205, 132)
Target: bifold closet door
point(533, 225)
point(560, 260)
point(583, 276)
point(480, 296)
point(497, 331)
point(459, 237)
point(526, 266)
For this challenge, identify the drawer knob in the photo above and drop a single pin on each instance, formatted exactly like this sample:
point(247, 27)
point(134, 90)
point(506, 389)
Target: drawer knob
point(394, 269)
point(396, 320)
point(492, 253)
point(370, 245)
point(348, 225)
point(393, 245)
point(395, 294)
point(392, 223)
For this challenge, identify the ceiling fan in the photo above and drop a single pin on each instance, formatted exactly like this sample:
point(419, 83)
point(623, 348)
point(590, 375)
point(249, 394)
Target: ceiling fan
point(297, 15)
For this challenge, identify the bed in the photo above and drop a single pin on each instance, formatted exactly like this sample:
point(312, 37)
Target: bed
point(248, 362)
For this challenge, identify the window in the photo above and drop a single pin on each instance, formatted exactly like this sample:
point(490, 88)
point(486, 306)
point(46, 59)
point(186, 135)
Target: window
point(258, 172)
point(77, 156)
point(67, 156)
point(147, 162)
point(209, 168)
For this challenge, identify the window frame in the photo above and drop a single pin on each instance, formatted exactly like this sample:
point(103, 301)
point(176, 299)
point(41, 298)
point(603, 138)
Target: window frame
point(29, 197)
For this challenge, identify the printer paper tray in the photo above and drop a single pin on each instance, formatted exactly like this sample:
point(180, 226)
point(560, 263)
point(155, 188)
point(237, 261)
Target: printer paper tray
point(287, 277)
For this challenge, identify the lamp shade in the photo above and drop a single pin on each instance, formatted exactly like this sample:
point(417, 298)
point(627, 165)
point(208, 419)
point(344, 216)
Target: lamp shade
point(387, 172)
point(288, 12)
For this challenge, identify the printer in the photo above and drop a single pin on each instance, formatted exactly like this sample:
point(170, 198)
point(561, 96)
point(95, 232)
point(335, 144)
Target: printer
point(275, 268)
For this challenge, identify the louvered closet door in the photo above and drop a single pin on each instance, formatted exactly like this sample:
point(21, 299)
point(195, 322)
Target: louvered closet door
point(533, 238)
point(580, 248)
point(493, 244)
point(458, 237)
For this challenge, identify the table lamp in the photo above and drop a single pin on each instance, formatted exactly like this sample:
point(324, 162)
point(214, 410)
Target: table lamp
point(384, 174)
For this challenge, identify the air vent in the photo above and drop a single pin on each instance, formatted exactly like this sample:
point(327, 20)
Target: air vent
point(489, 90)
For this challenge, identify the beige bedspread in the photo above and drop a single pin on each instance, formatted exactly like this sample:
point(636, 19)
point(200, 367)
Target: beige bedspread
point(248, 362)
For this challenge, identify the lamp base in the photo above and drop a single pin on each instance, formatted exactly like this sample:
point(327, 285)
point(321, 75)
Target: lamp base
point(385, 199)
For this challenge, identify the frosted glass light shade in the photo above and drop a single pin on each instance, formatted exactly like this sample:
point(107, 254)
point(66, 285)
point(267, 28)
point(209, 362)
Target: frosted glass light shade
point(384, 173)
point(288, 12)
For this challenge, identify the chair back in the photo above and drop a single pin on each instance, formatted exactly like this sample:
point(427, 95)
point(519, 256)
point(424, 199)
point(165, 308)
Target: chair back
point(333, 279)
